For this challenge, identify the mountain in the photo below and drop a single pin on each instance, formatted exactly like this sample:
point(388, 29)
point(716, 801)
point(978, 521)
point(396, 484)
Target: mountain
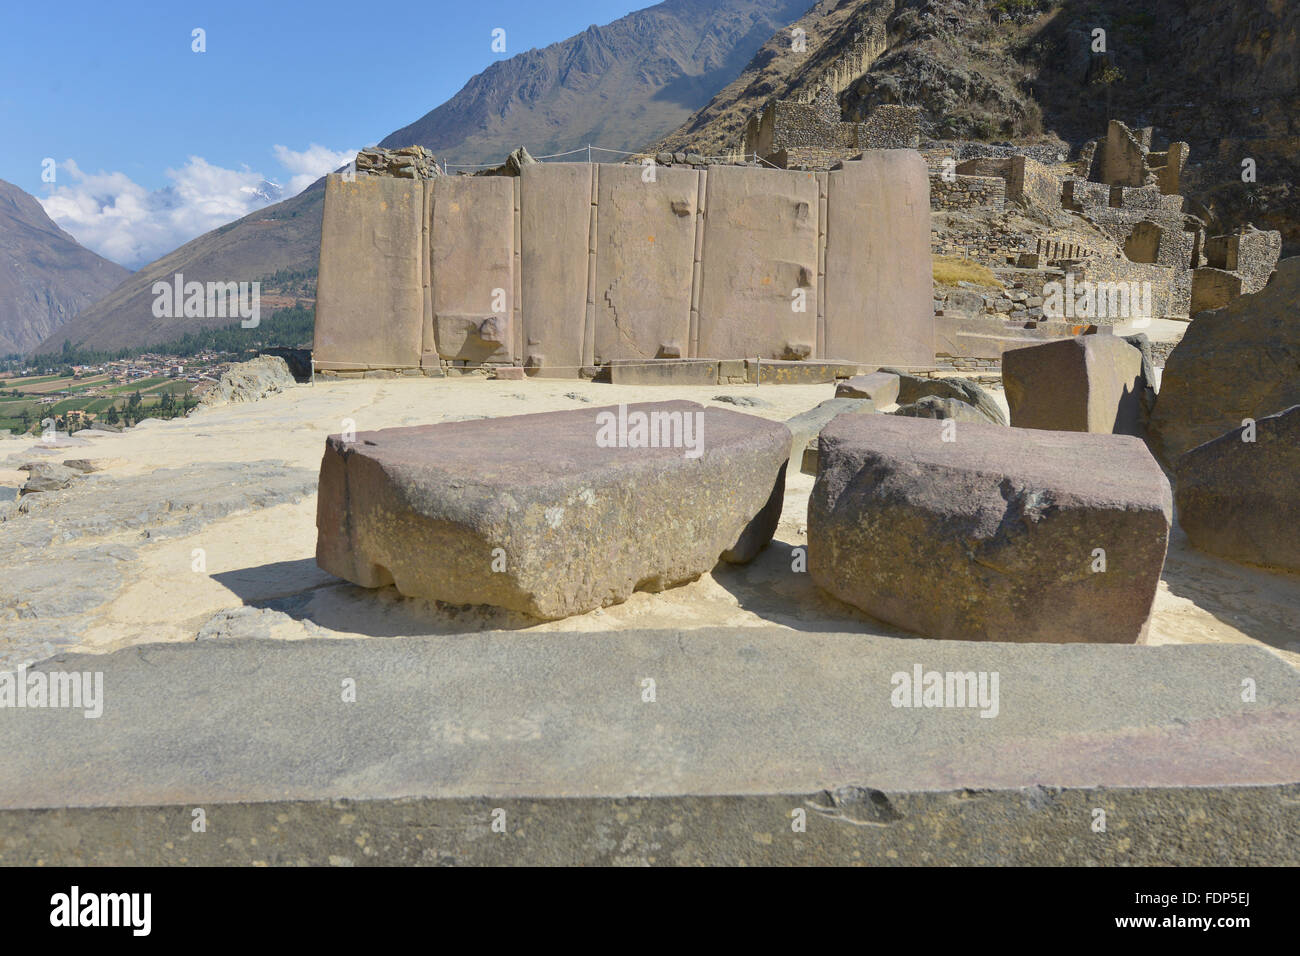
point(614, 86)
point(275, 239)
point(1225, 78)
point(617, 85)
point(46, 278)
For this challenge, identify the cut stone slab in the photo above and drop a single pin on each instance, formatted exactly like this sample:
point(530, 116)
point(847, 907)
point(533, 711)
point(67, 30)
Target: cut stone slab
point(536, 513)
point(942, 409)
point(912, 388)
point(1238, 362)
point(509, 373)
point(1089, 383)
point(993, 536)
point(880, 387)
point(805, 426)
point(748, 723)
point(1240, 499)
point(789, 372)
point(663, 371)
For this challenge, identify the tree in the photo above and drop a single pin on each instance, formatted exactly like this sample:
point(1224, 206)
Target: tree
point(111, 415)
point(135, 400)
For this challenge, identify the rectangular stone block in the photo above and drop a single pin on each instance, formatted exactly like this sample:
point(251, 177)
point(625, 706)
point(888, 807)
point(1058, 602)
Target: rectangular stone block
point(986, 533)
point(1090, 383)
point(554, 226)
point(759, 263)
point(551, 514)
point(473, 262)
point(879, 284)
point(369, 292)
point(663, 372)
point(645, 257)
point(778, 372)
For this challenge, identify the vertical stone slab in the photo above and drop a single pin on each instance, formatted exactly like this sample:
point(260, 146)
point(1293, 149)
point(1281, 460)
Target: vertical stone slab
point(760, 244)
point(428, 341)
point(554, 218)
point(823, 182)
point(473, 239)
point(645, 257)
point(879, 286)
point(369, 292)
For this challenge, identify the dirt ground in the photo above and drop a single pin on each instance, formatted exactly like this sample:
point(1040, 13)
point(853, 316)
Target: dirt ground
point(260, 575)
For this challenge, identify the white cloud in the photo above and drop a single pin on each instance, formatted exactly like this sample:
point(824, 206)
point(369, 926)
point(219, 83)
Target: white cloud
point(310, 164)
point(131, 225)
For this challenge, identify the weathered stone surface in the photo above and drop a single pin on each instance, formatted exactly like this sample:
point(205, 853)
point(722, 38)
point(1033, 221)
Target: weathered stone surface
point(749, 724)
point(760, 246)
point(579, 526)
point(1240, 499)
point(663, 372)
point(1089, 383)
point(880, 387)
point(645, 257)
point(555, 239)
point(370, 293)
point(472, 239)
point(993, 536)
point(1242, 361)
point(805, 426)
point(788, 372)
point(912, 388)
point(509, 373)
point(878, 280)
point(932, 406)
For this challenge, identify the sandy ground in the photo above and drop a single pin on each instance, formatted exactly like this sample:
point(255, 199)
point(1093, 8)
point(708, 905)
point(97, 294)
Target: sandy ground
point(264, 559)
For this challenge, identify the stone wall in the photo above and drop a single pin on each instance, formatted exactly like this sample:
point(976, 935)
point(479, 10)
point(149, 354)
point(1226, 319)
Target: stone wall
point(967, 192)
point(570, 266)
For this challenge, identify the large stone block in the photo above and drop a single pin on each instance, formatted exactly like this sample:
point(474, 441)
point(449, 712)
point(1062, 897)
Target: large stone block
point(780, 372)
point(994, 536)
point(645, 258)
point(879, 284)
point(473, 262)
point(760, 249)
point(541, 513)
point(554, 225)
point(1240, 498)
point(1239, 362)
point(1090, 383)
point(663, 372)
point(369, 291)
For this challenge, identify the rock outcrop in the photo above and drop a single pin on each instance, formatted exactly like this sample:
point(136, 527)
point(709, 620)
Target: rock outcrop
point(250, 381)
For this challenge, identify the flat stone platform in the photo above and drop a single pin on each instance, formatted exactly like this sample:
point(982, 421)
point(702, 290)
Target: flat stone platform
point(750, 731)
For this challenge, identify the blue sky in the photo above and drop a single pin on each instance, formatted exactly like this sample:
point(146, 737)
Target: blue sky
point(155, 143)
